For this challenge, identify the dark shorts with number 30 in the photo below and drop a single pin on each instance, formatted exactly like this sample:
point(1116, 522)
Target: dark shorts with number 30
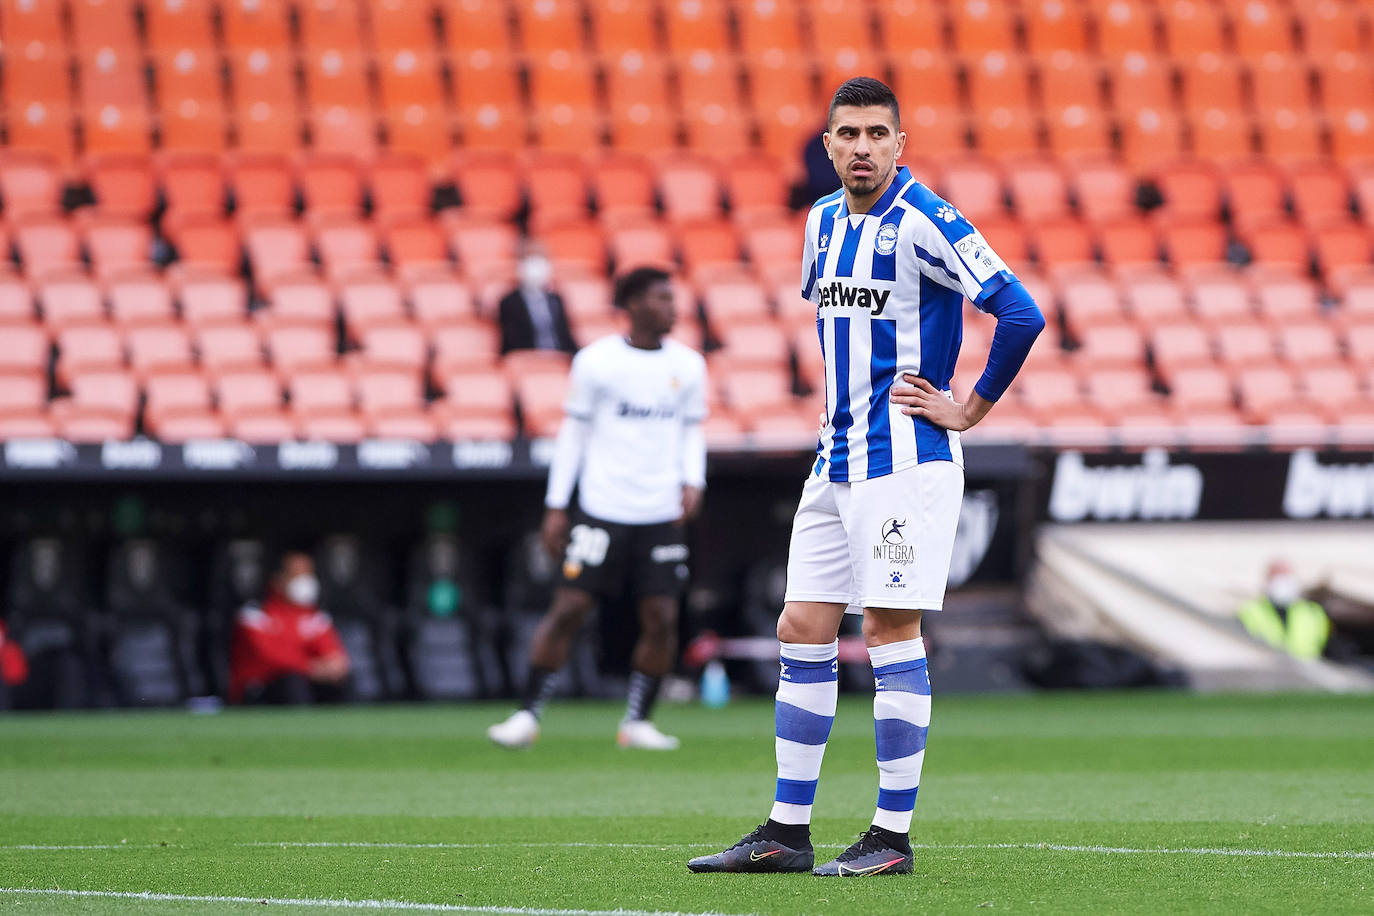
point(608, 558)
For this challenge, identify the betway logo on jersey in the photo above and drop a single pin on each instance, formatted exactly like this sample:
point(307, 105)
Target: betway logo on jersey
point(1153, 489)
point(842, 295)
point(1334, 490)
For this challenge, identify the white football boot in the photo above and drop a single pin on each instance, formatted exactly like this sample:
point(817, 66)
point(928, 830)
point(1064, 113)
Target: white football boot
point(644, 735)
point(520, 730)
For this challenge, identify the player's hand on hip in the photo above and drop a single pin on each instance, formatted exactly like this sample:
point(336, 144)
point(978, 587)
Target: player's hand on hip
point(553, 533)
point(919, 398)
point(691, 502)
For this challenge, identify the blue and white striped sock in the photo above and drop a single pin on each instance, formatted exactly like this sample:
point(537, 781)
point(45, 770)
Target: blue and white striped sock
point(901, 717)
point(808, 686)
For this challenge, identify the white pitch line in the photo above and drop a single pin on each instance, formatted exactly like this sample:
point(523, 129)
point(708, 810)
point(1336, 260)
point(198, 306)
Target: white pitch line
point(1183, 850)
point(936, 847)
point(342, 904)
point(57, 848)
point(1352, 854)
point(513, 845)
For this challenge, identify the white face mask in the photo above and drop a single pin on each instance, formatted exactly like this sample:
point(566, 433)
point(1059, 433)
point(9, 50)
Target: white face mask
point(535, 271)
point(1284, 590)
point(303, 590)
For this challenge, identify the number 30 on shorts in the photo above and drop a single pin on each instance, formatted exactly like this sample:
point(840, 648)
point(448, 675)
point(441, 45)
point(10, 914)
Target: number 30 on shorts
point(587, 546)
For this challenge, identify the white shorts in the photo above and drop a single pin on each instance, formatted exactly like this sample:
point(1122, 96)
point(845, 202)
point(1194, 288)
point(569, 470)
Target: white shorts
point(883, 543)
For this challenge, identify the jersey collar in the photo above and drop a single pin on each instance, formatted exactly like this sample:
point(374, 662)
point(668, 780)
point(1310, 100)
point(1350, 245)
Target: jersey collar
point(884, 203)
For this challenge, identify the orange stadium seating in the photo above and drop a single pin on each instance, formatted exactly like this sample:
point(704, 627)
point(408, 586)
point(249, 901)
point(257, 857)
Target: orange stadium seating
point(283, 218)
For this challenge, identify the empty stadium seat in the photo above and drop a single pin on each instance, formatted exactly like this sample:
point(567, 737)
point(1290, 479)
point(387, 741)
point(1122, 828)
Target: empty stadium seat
point(440, 300)
point(192, 185)
point(390, 392)
point(458, 346)
point(1045, 391)
point(753, 345)
point(1262, 390)
point(317, 393)
point(1282, 297)
point(159, 349)
point(1221, 297)
point(264, 428)
point(275, 248)
point(1240, 345)
point(46, 244)
point(1254, 193)
point(1179, 346)
point(117, 244)
point(393, 347)
point(247, 393)
point(230, 347)
point(299, 302)
point(346, 245)
point(371, 302)
point(25, 351)
point(1118, 390)
point(122, 186)
point(136, 300)
point(296, 348)
point(976, 186)
point(1151, 137)
point(1038, 190)
point(1153, 296)
point(70, 301)
point(1090, 298)
point(689, 189)
point(414, 241)
point(332, 427)
point(209, 300)
point(1118, 345)
point(1128, 242)
point(541, 396)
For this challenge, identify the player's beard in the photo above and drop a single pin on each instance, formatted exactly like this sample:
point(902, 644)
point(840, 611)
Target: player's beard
point(863, 184)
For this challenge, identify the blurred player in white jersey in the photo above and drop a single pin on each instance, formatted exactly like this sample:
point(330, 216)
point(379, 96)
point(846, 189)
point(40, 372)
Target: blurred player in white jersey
point(632, 444)
point(888, 264)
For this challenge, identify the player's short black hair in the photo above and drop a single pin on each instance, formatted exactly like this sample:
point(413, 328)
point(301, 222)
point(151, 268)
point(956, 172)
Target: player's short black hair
point(862, 91)
point(635, 283)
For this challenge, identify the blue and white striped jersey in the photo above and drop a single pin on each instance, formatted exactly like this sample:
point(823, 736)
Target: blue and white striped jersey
point(889, 287)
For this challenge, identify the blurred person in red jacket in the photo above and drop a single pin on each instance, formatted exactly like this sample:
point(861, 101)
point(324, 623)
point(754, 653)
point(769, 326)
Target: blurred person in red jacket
point(286, 649)
point(14, 666)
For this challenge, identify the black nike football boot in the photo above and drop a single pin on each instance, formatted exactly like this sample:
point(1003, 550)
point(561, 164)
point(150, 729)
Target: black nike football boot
point(871, 854)
point(756, 853)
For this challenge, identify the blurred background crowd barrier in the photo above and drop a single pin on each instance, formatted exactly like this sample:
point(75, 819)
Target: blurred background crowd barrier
point(1070, 569)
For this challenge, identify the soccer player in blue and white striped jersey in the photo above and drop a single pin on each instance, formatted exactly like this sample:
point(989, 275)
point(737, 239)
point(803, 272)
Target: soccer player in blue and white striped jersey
point(888, 264)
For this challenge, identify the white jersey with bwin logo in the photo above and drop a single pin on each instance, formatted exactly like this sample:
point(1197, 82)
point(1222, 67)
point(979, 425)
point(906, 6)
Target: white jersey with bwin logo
point(640, 439)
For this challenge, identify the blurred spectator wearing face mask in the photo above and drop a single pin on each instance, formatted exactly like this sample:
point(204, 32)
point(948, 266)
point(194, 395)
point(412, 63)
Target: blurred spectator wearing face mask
point(1283, 618)
point(532, 315)
point(286, 649)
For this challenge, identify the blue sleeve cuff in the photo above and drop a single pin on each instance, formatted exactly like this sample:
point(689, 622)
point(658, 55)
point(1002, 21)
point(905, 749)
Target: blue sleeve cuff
point(1019, 323)
point(992, 287)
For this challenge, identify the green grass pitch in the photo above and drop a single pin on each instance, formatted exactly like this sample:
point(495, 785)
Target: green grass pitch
point(1143, 802)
